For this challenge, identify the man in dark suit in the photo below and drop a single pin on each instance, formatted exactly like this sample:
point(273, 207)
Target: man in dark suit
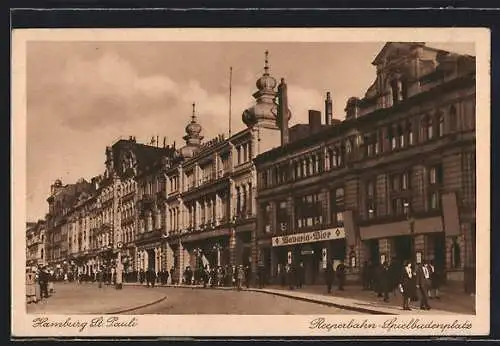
point(385, 281)
point(423, 284)
point(407, 284)
point(341, 275)
point(300, 275)
point(329, 276)
point(43, 280)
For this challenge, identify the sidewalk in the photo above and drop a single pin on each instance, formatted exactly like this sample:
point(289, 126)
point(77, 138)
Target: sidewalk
point(354, 298)
point(87, 298)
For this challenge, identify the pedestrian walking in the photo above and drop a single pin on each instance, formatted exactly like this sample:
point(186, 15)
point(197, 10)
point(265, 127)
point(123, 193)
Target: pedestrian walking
point(248, 273)
point(436, 277)
point(151, 277)
point(205, 276)
point(261, 273)
point(240, 276)
point(43, 281)
point(290, 280)
point(385, 281)
point(341, 275)
point(30, 286)
point(423, 285)
point(99, 277)
point(407, 285)
point(365, 275)
point(142, 276)
point(329, 276)
point(172, 275)
point(301, 275)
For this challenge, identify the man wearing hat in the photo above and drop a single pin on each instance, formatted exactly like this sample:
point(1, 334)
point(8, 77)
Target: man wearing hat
point(43, 280)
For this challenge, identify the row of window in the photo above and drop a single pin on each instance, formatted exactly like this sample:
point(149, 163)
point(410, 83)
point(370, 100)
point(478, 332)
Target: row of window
point(310, 209)
point(244, 152)
point(396, 136)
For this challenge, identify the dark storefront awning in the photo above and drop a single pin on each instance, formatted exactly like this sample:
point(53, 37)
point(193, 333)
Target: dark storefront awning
point(394, 229)
point(205, 235)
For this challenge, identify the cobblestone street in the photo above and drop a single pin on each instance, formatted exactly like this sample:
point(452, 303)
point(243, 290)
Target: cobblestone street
point(89, 299)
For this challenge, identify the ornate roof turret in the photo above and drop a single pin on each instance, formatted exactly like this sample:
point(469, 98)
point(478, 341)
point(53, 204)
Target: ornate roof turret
point(193, 130)
point(265, 110)
point(193, 136)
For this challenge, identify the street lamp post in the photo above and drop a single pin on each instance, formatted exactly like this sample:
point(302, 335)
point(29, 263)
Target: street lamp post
point(217, 247)
point(197, 252)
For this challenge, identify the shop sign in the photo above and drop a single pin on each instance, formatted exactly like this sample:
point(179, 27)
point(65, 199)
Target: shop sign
point(309, 237)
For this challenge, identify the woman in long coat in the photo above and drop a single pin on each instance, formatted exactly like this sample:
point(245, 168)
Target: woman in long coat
point(31, 286)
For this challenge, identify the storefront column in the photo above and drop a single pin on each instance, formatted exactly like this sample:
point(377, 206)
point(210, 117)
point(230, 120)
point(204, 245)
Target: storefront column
point(157, 262)
point(232, 247)
point(384, 246)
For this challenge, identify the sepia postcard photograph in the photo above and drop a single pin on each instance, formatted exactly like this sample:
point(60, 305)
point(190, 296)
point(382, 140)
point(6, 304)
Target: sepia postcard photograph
point(250, 182)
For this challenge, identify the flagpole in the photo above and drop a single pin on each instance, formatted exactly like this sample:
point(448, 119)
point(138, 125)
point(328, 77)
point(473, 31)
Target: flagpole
point(230, 96)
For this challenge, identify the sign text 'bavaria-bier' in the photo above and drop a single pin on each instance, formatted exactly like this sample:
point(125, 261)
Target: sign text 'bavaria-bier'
point(309, 237)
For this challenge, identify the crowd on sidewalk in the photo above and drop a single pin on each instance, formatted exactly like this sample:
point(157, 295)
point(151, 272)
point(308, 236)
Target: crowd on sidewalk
point(217, 276)
point(411, 282)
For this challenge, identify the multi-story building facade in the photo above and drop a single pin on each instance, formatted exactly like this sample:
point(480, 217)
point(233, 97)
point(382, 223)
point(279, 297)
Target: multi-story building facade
point(124, 211)
point(394, 181)
point(35, 243)
point(59, 221)
point(211, 188)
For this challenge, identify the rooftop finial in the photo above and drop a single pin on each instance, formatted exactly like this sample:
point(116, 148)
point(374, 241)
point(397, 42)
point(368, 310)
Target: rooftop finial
point(266, 66)
point(194, 112)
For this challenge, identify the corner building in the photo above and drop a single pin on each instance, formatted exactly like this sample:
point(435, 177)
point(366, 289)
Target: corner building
point(396, 180)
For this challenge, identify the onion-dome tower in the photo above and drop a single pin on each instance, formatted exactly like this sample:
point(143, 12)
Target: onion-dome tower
point(193, 136)
point(264, 112)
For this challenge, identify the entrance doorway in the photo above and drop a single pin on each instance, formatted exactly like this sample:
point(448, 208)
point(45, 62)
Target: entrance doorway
point(403, 248)
point(151, 259)
point(439, 248)
point(374, 251)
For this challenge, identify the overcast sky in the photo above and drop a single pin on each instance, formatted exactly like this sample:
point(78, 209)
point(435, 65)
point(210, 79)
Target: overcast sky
point(82, 96)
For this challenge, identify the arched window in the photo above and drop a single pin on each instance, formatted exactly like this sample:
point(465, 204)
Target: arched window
point(430, 128)
point(401, 135)
point(440, 127)
point(409, 131)
point(395, 91)
point(452, 118)
point(333, 158)
point(348, 146)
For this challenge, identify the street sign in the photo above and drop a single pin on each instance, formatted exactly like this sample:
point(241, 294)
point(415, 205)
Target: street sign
point(307, 252)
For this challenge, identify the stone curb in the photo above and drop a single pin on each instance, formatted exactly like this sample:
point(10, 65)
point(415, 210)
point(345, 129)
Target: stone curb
point(290, 296)
point(322, 302)
point(137, 307)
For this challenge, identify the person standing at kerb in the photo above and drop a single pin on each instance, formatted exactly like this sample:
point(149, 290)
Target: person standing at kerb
point(407, 285)
point(329, 276)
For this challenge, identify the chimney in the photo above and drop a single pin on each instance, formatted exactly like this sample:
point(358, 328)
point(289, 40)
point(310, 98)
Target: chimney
point(283, 111)
point(328, 109)
point(314, 121)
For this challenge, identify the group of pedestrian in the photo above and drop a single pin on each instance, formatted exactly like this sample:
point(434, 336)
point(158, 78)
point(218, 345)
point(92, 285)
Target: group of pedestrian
point(335, 274)
point(38, 284)
point(415, 282)
point(419, 283)
point(218, 276)
point(292, 276)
